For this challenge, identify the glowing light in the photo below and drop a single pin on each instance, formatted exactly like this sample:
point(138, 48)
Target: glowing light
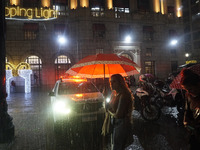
point(73, 4)
point(178, 8)
point(23, 70)
point(45, 3)
point(157, 6)
point(110, 4)
point(30, 13)
point(107, 100)
point(8, 77)
point(15, 68)
point(84, 3)
point(128, 39)
point(79, 95)
point(14, 2)
point(173, 42)
point(18, 19)
point(162, 7)
point(26, 74)
point(95, 8)
point(75, 77)
point(191, 61)
point(187, 54)
point(77, 80)
point(62, 40)
point(60, 107)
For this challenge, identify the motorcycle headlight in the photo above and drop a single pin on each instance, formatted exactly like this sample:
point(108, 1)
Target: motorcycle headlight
point(107, 99)
point(61, 107)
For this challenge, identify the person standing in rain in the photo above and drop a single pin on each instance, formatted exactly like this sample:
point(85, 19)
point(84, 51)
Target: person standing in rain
point(132, 80)
point(13, 86)
point(120, 108)
point(191, 83)
point(35, 78)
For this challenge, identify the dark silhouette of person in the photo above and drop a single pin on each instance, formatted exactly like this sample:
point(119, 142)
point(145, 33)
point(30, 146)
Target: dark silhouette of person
point(190, 81)
point(13, 85)
point(120, 108)
point(132, 80)
point(35, 78)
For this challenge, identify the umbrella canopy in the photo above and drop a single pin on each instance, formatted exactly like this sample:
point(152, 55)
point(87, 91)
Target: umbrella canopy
point(176, 82)
point(103, 66)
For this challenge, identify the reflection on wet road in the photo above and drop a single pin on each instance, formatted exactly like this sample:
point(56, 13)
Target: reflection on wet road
point(34, 129)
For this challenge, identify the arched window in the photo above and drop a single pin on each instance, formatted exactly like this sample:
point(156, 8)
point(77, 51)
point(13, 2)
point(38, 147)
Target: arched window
point(62, 64)
point(127, 55)
point(36, 66)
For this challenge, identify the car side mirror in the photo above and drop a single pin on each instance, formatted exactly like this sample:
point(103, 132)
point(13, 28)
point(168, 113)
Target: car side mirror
point(51, 93)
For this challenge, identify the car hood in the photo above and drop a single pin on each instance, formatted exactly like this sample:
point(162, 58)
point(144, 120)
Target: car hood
point(97, 96)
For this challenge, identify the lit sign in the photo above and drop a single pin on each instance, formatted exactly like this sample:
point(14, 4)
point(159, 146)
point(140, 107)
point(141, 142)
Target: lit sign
point(15, 69)
point(30, 13)
point(191, 61)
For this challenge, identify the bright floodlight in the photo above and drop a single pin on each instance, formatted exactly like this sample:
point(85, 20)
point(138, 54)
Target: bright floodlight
point(173, 42)
point(62, 40)
point(128, 39)
point(187, 54)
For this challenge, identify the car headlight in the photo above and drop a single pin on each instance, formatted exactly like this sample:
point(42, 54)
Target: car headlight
point(61, 107)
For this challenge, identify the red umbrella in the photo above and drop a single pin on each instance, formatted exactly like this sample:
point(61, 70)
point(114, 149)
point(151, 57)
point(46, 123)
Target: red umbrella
point(103, 66)
point(176, 82)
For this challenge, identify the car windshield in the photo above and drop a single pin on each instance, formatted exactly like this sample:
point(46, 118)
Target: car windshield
point(76, 88)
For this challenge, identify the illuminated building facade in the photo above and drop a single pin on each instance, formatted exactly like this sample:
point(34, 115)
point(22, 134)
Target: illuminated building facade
point(191, 19)
point(90, 27)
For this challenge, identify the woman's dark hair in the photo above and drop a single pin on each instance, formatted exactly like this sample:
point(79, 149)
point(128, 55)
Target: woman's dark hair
point(121, 82)
point(119, 79)
point(188, 77)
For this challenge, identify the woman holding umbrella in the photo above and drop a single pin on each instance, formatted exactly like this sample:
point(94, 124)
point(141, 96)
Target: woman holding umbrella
point(190, 81)
point(120, 108)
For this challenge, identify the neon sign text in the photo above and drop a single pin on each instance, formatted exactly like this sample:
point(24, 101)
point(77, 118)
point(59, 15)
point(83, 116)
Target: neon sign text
point(30, 13)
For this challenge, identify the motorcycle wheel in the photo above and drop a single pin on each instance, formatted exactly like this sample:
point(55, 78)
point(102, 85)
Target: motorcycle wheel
point(159, 102)
point(151, 112)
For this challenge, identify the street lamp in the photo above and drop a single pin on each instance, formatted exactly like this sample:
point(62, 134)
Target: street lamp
point(187, 55)
point(128, 39)
point(62, 40)
point(173, 42)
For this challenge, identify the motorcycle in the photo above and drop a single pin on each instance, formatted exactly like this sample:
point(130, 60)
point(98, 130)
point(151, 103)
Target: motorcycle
point(146, 106)
point(164, 96)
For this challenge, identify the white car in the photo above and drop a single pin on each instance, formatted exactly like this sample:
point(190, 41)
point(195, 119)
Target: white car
point(76, 100)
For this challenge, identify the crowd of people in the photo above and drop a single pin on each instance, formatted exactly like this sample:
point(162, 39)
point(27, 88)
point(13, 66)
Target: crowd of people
point(119, 109)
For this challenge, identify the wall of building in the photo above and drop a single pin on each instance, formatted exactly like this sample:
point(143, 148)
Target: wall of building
point(81, 43)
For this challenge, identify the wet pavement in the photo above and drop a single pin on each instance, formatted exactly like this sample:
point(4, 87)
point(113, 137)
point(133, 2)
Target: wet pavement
point(34, 128)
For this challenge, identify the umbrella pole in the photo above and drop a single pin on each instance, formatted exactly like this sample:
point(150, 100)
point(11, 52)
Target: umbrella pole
point(104, 82)
point(104, 75)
